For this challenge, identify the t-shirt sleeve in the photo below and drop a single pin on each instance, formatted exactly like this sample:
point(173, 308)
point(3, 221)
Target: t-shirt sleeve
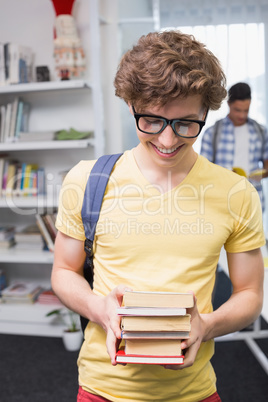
point(245, 208)
point(69, 220)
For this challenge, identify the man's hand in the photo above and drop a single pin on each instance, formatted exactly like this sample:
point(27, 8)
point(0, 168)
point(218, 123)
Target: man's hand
point(191, 346)
point(110, 320)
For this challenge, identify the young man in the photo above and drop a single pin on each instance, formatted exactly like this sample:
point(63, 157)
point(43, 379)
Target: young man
point(166, 214)
point(237, 140)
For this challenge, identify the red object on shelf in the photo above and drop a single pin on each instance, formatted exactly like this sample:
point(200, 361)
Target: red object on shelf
point(63, 6)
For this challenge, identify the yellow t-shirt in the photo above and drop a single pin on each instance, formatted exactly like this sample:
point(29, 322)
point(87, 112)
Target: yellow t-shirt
point(157, 241)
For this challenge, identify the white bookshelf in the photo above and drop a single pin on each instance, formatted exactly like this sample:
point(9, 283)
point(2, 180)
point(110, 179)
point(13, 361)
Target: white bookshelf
point(44, 145)
point(44, 86)
point(55, 105)
point(16, 256)
point(40, 202)
point(29, 320)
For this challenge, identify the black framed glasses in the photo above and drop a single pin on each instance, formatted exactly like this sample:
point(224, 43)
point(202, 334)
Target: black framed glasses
point(185, 128)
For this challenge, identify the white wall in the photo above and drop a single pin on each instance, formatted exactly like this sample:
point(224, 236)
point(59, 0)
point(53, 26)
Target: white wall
point(30, 22)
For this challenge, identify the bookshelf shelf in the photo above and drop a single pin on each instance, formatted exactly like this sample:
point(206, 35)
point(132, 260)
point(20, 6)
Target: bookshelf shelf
point(29, 320)
point(28, 202)
point(44, 145)
point(13, 255)
point(44, 86)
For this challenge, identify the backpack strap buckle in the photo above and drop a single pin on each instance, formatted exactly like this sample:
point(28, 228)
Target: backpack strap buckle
point(88, 247)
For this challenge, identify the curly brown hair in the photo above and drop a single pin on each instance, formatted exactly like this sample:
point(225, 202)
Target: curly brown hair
point(166, 65)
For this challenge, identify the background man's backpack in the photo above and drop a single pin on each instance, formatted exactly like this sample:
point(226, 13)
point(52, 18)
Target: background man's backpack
point(90, 212)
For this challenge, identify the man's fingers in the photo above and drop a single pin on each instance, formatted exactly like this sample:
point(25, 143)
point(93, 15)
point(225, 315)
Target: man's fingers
point(111, 343)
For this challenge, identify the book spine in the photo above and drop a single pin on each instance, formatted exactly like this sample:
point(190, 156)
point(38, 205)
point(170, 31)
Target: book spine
point(45, 233)
point(19, 119)
point(2, 65)
point(13, 119)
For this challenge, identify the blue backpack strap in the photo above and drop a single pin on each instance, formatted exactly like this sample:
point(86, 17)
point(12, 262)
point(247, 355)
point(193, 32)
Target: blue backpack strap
point(93, 197)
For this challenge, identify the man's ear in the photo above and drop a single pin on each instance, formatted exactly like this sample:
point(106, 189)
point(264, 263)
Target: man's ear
point(130, 108)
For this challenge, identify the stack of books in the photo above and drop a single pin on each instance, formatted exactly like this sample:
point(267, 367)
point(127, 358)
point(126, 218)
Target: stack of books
point(6, 237)
point(21, 292)
point(153, 325)
point(29, 238)
point(47, 296)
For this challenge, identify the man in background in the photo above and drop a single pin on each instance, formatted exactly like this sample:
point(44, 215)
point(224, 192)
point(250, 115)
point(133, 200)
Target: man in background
point(238, 141)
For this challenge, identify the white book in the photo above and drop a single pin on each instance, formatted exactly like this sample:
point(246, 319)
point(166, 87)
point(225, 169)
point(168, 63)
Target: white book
point(22, 289)
point(13, 49)
point(13, 119)
point(7, 121)
point(151, 311)
point(3, 120)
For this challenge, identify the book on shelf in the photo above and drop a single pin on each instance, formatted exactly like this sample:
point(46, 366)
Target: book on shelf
point(2, 170)
point(29, 183)
point(7, 232)
point(36, 136)
point(47, 296)
point(21, 179)
point(24, 124)
point(21, 292)
point(18, 119)
point(154, 323)
point(28, 233)
point(7, 62)
point(157, 299)
point(2, 124)
point(14, 119)
point(45, 233)
point(10, 178)
point(5, 244)
point(7, 121)
point(122, 357)
point(2, 65)
point(29, 238)
point(50, 224)
point(3, 282)
point(41, 181)
point(18, 63)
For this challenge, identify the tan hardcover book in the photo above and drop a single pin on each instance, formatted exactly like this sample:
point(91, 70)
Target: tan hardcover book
point(154, 323)
point(153, 347)
point(158, 299)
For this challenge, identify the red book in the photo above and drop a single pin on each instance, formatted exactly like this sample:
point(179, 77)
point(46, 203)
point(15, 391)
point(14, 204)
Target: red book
point(121, 357)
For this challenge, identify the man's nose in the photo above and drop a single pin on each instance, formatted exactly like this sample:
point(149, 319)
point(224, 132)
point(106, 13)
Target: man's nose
point(168, 138)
